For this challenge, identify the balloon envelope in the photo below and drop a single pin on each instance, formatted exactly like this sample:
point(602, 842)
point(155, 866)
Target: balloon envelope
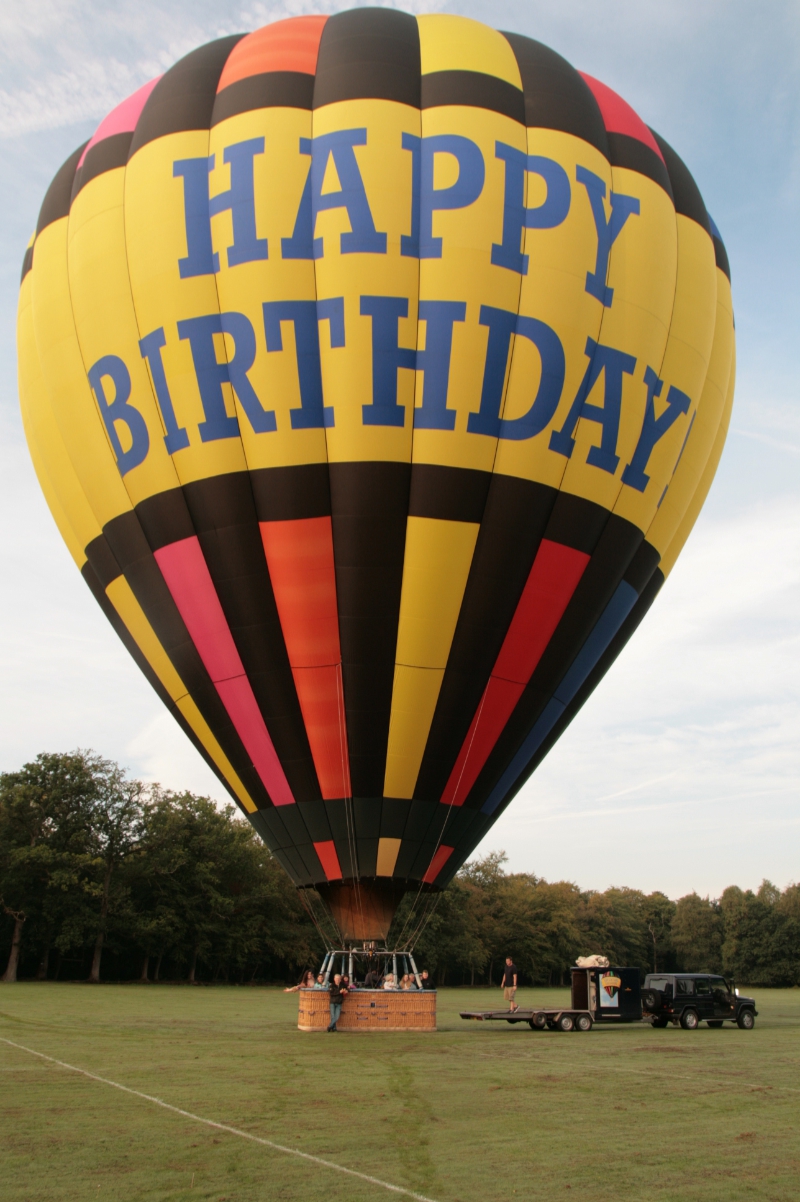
point(375, 369)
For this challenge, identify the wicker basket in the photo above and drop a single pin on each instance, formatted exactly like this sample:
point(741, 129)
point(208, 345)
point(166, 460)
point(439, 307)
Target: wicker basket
point(370, 1010)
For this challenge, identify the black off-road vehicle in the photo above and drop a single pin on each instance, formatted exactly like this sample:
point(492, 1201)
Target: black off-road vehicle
point(690, 998)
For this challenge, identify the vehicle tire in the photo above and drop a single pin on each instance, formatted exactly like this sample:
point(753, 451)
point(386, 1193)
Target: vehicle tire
point(651, 999)
point(746, 1020)
point(715, 1022)
point(660, 1023)
point(689, 1020)
point(538, 1022)
point(566, 1022)
point(583, 1022)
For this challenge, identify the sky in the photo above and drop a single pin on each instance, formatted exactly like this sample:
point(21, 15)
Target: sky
point(682, 772)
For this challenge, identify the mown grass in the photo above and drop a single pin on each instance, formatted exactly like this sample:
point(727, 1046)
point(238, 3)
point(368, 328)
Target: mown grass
point(474, 1112)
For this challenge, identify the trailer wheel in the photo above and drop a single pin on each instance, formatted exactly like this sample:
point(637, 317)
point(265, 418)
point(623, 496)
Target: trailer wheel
point(566, 1022)
point(583, 1022)
point(538, 1022)
point(689, 1020)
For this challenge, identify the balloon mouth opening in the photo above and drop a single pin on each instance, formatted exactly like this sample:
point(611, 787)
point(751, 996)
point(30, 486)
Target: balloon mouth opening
point(363, 910)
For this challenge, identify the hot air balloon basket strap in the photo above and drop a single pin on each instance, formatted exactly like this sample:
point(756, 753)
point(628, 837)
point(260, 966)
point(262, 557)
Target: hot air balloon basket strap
point(369, 1010)
point(326, 928)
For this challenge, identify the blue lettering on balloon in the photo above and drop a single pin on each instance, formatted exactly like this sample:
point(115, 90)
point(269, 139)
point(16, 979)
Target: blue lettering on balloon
point(502, 324)
point(434, 363)
point(427, 200)
point(612, 365)
point(653, 428)
point(199, 208)
point(516, 216)
point(119, 410)
point(362, 238)
point(608, 229)
point(211, 374)
point(305, 316)
point(409, 243)
point(176, 437)
point(387, 359)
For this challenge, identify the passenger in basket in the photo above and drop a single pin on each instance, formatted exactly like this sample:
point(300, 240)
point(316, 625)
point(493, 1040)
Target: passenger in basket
point(510, 984)
point(320, 981)
point(372, 980)
point(306, 983)
point(426, 981)
point(404, 985)
point(388, 981)
point(337, 994)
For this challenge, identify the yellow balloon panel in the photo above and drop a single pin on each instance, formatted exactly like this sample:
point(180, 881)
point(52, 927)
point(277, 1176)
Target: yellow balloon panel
point(63, 369)
point(276, 294)
point(370, 392)
point(182, 307)
point(674, 396)
point(108, 334)
point(553, 295)
point(633, 334)
point(700, 440)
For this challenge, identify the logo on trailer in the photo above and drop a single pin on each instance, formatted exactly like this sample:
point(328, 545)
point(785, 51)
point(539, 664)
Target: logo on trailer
point(609, 989)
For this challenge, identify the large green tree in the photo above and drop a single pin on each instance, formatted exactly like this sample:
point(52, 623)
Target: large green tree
point(45, 846)
point(94, 864)
point(762, 934)
point(697, 932)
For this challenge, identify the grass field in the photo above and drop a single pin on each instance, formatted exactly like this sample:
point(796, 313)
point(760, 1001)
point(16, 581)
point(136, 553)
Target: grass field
point(472, 1113)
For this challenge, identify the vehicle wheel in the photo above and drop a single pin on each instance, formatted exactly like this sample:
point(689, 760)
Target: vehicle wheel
point(566, 1022)
point(583, 1022)
point(538, 1022)
point(746, 1020)
point(715, 1022)
point(689, 1020)
point(651, 999)
point(660, 1023)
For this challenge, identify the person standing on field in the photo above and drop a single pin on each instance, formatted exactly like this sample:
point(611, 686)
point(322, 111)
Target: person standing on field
point(337, 992)
point(510, 984)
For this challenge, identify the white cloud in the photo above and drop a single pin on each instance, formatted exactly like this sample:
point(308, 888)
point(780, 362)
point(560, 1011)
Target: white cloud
point(163, 754)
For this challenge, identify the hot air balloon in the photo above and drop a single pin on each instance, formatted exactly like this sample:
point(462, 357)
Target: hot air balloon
point(375, 369)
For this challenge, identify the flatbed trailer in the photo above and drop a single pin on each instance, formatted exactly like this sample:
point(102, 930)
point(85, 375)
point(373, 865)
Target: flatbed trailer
point(599, 995)
point(537, 1020)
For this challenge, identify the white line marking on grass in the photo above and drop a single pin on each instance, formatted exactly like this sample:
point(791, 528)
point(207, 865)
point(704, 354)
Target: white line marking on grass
point(196, 1118)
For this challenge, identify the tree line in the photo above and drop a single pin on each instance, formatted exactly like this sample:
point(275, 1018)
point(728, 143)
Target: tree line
point(104, 877)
